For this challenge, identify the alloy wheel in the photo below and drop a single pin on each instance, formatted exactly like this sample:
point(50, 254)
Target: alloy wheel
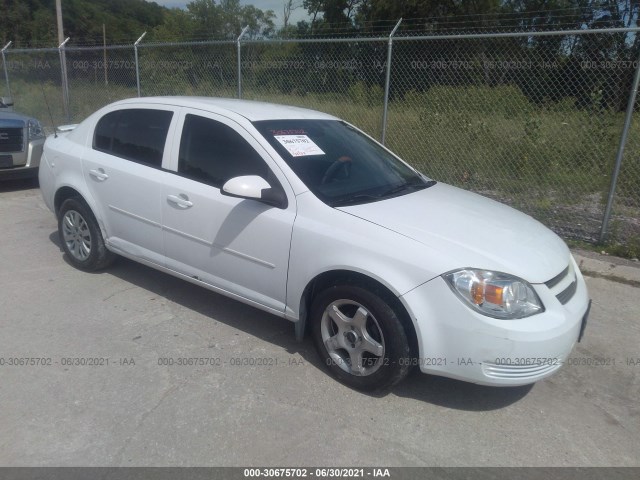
point(76, 235)
point(353, 338)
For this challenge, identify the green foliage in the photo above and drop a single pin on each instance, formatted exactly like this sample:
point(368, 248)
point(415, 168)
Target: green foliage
point(493, 139)
point(33, 22)
point(364, 95)
point(630, 248)
point(226, 20)
point(177, 25)
point(22, 22)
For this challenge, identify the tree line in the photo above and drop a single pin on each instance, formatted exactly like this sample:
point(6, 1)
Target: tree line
point(595, 70)
point(33, 23)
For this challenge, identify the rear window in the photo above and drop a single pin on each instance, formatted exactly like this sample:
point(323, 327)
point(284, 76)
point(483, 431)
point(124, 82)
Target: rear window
point(135, 134)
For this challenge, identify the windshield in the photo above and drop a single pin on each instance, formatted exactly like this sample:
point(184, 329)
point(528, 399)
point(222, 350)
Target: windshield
point(340, 165)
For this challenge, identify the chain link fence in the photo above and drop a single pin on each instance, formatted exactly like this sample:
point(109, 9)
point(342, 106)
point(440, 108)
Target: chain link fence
point(204, 69)
point(33, 76)
point(97, 77)
point(531, 119)
point(345, 79)
point(512, 119)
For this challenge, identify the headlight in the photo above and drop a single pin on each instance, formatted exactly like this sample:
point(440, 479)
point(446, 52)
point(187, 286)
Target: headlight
point(35, 129)
point(495, 294)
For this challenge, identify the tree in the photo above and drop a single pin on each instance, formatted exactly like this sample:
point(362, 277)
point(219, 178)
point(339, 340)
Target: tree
point(260, 22)
point(33, 22)
point(227, 19)
point(177, 25)
point(205, 17)
point(314, 9)
point(287, 10)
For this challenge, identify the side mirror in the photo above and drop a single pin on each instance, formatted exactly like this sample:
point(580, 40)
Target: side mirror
point(255, 188)
point(6, 102)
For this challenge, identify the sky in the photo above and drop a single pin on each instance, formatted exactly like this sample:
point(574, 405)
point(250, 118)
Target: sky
point(275, 5)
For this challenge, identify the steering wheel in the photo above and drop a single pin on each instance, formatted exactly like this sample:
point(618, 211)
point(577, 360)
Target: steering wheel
point(341, 165)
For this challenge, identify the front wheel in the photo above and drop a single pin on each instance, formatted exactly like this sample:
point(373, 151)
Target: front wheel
point(81, 237)
point(360, 338)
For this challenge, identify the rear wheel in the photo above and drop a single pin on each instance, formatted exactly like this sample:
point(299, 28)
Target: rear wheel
point(81, 237)
point(360, 338)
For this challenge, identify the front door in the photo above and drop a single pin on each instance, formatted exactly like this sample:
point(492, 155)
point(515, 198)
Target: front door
point(236, 245)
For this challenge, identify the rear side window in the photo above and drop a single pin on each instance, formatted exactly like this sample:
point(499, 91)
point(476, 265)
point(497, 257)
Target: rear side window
point(136, 134)
point(212, 153)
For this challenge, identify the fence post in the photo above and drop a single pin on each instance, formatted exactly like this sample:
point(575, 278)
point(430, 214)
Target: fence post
point(244, 30)
point(64, 79)
point(135, 51)
point(387, 82)
point(623, 140)
point(4, 64)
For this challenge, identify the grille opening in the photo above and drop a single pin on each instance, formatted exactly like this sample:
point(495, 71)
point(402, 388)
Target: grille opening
point(11, 140)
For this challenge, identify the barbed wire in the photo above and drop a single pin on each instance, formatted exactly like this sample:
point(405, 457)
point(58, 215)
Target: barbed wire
point(492, 22)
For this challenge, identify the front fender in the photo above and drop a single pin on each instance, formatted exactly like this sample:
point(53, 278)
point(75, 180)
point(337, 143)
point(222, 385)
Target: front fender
point(325, 239)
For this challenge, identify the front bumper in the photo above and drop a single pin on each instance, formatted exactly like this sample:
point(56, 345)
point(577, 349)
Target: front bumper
point(457, 342)
point(18, 173)
point(26, 163)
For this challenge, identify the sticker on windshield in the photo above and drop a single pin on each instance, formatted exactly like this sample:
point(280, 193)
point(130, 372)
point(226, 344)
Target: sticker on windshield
point(292, 131)
point(299, 145)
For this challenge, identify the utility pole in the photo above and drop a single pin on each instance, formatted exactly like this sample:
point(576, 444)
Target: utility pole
point(63, 59)
point(59, 18)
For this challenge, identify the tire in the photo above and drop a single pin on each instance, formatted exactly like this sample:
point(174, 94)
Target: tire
point(360, 338)
point(81, 237)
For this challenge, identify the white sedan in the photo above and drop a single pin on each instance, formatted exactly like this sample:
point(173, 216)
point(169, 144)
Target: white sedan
point(302, 215)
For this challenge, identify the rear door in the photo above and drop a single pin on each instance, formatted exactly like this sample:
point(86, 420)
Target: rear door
point(123, 171)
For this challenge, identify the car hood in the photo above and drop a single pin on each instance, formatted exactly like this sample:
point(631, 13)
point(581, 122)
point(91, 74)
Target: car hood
point(463, 229)
point(13, 117)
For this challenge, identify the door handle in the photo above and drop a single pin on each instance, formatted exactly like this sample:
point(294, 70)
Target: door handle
point(98, 174)
point(181, 200)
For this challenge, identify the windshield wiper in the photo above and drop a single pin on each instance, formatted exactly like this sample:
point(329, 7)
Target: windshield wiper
point(359, 198)
point(368, 198)
point(407, 186)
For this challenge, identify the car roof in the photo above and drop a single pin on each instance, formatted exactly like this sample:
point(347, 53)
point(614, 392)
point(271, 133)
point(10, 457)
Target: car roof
point(251, 110)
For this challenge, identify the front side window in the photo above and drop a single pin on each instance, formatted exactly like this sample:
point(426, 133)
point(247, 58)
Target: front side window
point(340, 165)
point(135, 134)
point(212, 153)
